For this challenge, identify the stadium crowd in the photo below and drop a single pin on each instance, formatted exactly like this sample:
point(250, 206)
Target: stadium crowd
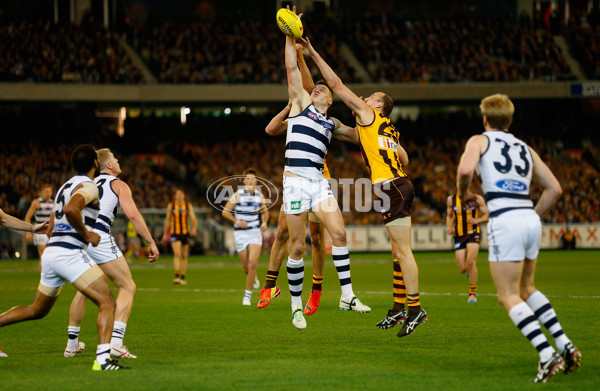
point(48, 53)
point(389, 48)
point(221, 51)
point(463, 50)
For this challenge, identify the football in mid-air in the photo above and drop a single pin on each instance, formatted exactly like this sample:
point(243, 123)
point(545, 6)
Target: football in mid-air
point(289, 23)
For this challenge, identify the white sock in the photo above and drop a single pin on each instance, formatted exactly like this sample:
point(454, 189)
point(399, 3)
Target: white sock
point(118, 334)
point(524, 318)
point(248, 294)
point(341, 260)
point(73, 341)
point(295, 272)
point(544, 312)
point(103, 353)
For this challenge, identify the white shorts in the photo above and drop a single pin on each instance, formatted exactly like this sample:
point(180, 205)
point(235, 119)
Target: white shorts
point(246, 237)
point(40, 239)
point(106, 251)
point(61, 264)
point(301, 194)
point(514, 236)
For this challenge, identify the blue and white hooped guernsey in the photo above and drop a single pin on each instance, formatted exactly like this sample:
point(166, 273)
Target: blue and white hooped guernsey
point(506, 169)
point(248, 209)
point(63, 235)
point(43, 213)
point(109, 202)
point(308, 137)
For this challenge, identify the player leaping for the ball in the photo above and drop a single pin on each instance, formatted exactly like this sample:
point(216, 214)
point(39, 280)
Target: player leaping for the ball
point(304, 187)
point(385, 159)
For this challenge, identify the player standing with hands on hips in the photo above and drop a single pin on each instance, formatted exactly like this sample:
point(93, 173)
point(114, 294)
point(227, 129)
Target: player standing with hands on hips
point(507, 167)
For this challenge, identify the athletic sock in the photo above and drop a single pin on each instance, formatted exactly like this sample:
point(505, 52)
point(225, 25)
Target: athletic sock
point(546, 315)
point(414, 303)
point(176, 274)
point(317, 283)
point(295, 272)
point(524, 318)
point(472, 289)
point(248, 294)
point(73, 341)
point(182, 277)
point(118, 334)
point(399, 288)
point(103, 353)
point(341, 260)
point(271, 279)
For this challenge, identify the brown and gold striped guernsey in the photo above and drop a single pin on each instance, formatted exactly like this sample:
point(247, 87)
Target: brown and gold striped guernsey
point(179, 221)
point(461, 215)
point(379, 148)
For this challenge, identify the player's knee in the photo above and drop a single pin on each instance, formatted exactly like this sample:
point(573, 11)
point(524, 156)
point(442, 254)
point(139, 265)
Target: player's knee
point(38, 312)
point(316, 239)
point(296, 249)
point(282, 236)
point(338, 237)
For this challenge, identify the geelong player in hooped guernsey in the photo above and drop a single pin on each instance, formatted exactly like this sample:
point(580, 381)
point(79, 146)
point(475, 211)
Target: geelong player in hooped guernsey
point(65, 258)
point(248, 212)
point(112, 192)
point(305, 188)
point(507, 166)
point(385, 159)
point(40, 211)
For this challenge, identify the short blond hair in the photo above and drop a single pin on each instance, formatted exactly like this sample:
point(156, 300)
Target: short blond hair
point(103, 156)
point(498, 110)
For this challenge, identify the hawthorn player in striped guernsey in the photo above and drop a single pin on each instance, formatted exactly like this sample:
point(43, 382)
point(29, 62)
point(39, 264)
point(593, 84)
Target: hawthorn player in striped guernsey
point(385, 159)
point(177, 225)
point(463, 222)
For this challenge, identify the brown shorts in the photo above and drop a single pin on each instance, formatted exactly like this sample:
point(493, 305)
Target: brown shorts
point(460, 242)
point(183, 238)
point(400, 197)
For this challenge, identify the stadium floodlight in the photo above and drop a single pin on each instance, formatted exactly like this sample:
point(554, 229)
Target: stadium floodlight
point(227, 111)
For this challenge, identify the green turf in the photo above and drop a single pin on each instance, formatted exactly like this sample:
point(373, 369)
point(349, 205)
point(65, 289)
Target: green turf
point(199, 337)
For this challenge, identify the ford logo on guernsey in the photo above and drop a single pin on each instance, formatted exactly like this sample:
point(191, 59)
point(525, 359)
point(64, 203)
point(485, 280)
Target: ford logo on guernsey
point(221, 190)
point(511, 185)
point(61, 228)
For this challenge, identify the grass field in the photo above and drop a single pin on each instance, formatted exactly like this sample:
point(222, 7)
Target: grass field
point(199, 337)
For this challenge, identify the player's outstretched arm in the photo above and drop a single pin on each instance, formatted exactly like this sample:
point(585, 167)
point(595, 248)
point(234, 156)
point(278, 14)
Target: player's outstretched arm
point(345, 133)
point(299, 98)
point(364, 114)
point(278, 125)
point(123, 191)
point(11, 222)
point(544, 176)
point(307, 81)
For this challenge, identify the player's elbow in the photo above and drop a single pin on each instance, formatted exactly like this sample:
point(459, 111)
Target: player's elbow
point(463, 171)
point(556, 191)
